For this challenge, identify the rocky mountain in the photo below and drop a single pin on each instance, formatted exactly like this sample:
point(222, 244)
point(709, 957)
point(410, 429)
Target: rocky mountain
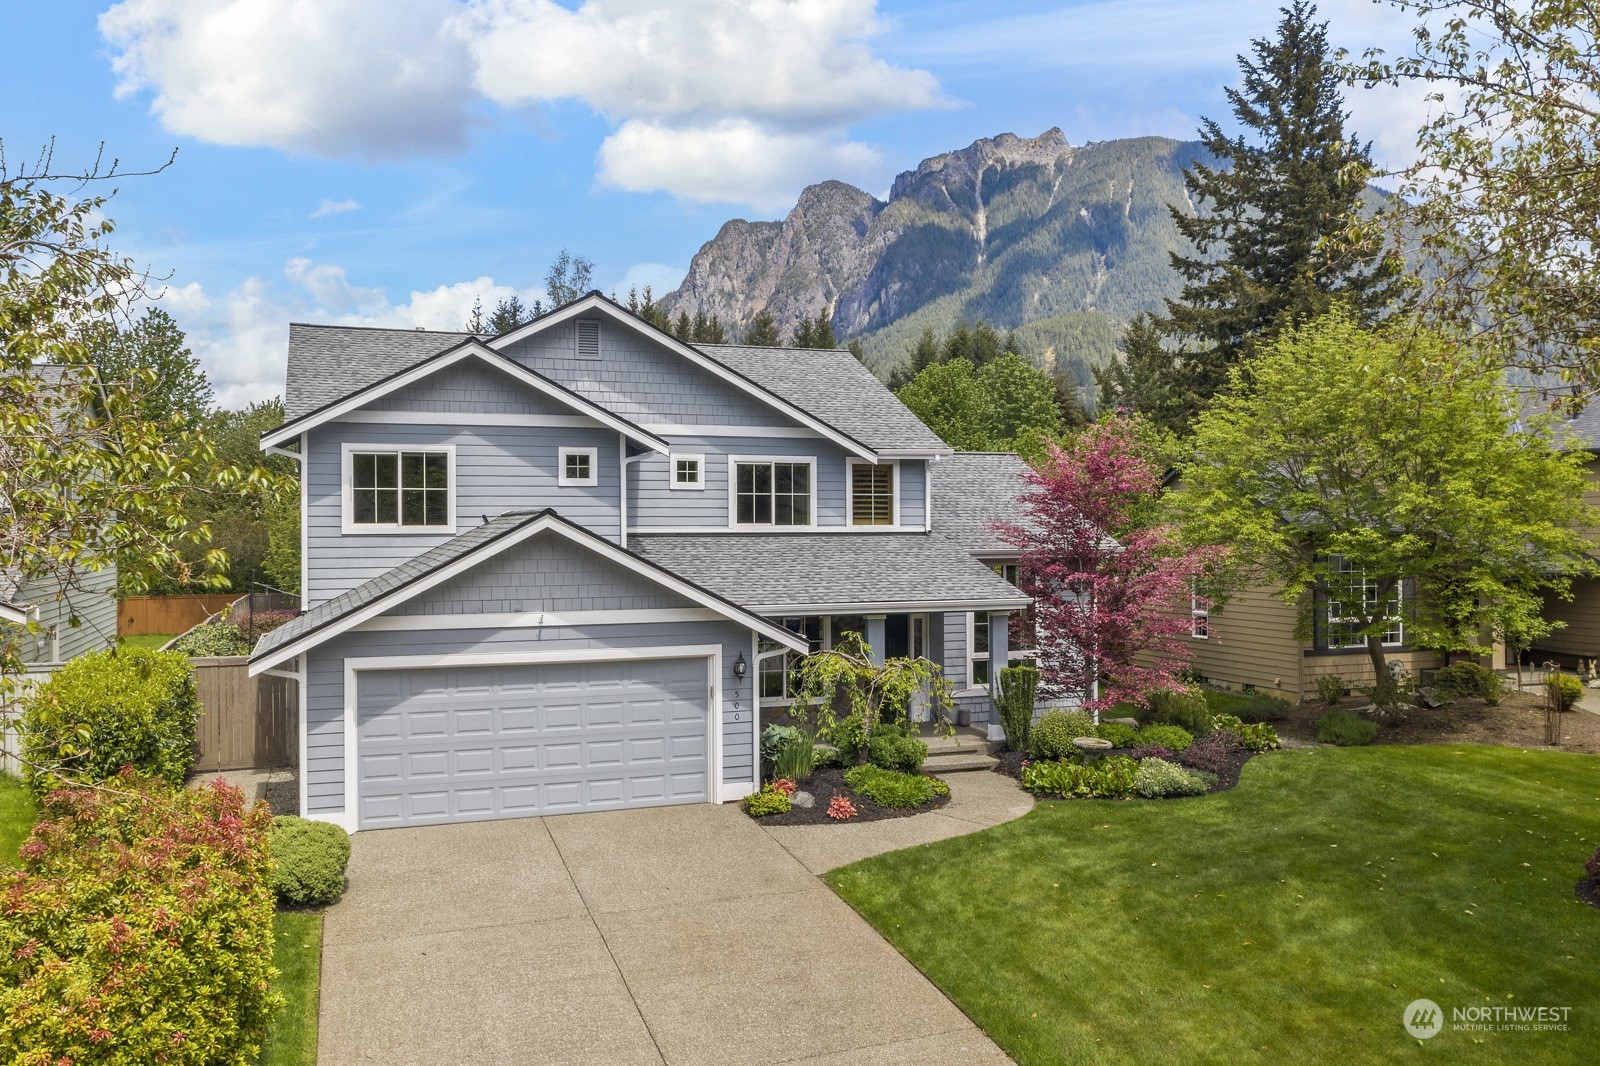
point(1062, 243)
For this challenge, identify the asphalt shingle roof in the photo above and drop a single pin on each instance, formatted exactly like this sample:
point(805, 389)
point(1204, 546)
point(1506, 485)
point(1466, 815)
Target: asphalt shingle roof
point(832, 386)
point(763, 570)
point(328, 363)
point(971, 490)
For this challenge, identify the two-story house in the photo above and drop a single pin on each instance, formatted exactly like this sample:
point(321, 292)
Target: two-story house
point(567, 568)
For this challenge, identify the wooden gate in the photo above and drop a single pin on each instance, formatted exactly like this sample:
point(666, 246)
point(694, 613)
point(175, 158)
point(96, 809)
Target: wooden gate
point(246, 723)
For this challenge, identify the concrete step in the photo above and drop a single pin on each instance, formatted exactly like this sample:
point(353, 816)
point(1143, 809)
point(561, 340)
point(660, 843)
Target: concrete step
point(956, 762)
point(964, 742)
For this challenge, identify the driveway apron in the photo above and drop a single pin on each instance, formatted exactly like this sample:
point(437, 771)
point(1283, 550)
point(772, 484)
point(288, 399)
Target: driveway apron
point(678, 935)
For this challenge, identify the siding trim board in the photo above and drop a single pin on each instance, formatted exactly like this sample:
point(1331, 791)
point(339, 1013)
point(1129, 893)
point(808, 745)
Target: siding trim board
point(348, 819)
point(532, 620)
point(468, 349)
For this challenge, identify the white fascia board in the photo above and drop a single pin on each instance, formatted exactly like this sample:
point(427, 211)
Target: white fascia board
point(893, 607)
point(495, 547)
point(704, 362)
point(913, 453)
point(10, 612)
point(467, 349)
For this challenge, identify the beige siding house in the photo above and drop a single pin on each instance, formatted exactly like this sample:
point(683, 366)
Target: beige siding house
point(1580, 636)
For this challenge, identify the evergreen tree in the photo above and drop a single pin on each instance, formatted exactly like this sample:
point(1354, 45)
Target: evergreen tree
point(476, 322)
point(814, 333)
point(649, 310)
point(511, 313)
point(1269, 233)
point(857, 349)
point(923, 354)
point(707, 329)
point(762, 332)
point(151, 358)
point(683, 329)
point(978, 344)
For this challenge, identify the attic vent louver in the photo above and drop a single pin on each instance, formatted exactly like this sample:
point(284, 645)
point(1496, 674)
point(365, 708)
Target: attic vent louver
point(588, 338)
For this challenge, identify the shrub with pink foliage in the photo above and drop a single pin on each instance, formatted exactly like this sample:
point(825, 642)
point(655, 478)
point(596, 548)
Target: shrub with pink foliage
point(840, 808)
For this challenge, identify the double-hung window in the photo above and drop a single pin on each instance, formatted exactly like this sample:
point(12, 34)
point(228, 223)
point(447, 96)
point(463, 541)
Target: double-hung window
point(978, 650)
point(1349, 596)
point(872, 494)
point(777, 678)
point(772, 492)
point(394, 488)
point(1199, 614)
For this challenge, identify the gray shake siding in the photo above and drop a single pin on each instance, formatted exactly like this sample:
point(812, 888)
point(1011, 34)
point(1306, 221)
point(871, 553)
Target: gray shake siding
point(59, 640)
point(498, 469)
point(471, 387)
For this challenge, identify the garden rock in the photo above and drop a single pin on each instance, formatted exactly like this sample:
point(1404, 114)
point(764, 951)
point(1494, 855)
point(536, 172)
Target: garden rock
point(1091, 744)
point(802, 799)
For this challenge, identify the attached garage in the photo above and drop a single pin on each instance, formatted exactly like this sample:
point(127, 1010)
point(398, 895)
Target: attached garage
point(446, 744)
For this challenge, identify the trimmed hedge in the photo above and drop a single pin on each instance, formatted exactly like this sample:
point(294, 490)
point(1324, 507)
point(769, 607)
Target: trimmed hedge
point(308, 860)
point(103, 711)
point(1019, 686)
point(891, 749)
point(1468, 678)
point(139, 929)
point(1566, 690)
point(1053, 734)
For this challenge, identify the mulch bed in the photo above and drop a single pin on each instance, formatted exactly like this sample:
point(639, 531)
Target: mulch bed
point(1010, 764)
point(827, 783)
point(1588, 890)
point(1517, 722)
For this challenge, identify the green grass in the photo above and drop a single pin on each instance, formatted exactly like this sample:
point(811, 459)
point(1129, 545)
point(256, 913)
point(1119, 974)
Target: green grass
point(18, 812)
point(1291, 919)
point(292, 1039)
point(151, 641)
point(1225, 702)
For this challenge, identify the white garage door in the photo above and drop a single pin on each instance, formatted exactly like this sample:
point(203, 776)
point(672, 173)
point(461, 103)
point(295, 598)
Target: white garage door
point(447, 744)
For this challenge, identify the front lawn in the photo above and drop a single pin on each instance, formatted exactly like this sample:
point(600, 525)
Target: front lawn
point(18, 812)
point(147, 641)
point(1292, 918)
point(292, 1038)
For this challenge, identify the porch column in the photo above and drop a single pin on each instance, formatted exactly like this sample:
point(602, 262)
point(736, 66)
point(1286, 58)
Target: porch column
point(999, 648)
point(876, 637)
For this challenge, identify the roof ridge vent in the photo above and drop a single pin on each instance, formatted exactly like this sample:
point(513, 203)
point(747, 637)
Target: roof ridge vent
point(588, 338)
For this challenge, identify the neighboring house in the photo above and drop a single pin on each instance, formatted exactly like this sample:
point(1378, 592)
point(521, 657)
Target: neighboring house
point(55, 638)
point(1579, 637)
point(567, 568)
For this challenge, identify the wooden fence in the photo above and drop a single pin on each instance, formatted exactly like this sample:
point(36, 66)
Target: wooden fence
point(245, 722)
point(139, 616)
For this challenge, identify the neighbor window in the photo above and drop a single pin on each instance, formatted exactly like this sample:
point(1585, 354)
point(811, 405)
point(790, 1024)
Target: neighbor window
point(399, 488)
point(687, 471)
point(776, 493)
point(1199, 615)
point(872, 494)
point(978, 651)
point(1351, 594)
point(578, 466)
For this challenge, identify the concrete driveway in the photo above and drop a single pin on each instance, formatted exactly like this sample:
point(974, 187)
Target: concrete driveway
point(674, 935)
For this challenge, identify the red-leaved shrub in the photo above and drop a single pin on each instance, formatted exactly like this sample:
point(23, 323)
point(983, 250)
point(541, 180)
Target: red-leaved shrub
point(1592, 867)
point(840, 808)
point(139, 929)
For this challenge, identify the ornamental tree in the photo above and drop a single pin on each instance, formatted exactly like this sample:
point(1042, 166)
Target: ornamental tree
point(1369, 469)
point(848, 692)
point(1111, 589)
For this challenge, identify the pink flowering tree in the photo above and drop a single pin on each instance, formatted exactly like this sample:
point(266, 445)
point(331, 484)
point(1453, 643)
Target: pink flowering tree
point(1111, 589)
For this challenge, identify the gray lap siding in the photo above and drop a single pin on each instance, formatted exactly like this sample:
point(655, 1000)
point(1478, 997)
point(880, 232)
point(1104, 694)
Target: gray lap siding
point(497, 469)
point(325, 758)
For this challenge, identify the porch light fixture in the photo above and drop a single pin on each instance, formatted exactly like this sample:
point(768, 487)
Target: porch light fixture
point(740, 667)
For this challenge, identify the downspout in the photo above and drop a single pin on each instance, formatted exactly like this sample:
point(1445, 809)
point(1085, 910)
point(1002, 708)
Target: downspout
point(624, 460)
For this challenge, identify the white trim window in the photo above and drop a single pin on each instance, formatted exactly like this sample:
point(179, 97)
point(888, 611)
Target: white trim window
point(389, 489)
point(1338, 628)
point(578, 467)
point(978, 650)
point(686, 470)
point(1199, 614)
point(874, 496)
point(776, 674)
point(770, 491)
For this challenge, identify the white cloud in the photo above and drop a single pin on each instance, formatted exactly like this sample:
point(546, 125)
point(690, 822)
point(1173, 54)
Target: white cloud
point(242, 337)
point(328, 77)
point(661, 278)
point(335, 207)
point(731, 160)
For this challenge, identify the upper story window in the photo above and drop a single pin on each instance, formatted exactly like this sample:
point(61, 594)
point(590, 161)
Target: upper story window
point(578, 466)
point(688, 471)
point(1349, 596)
point(772, 492)
point(395, 488)
point(872, 496)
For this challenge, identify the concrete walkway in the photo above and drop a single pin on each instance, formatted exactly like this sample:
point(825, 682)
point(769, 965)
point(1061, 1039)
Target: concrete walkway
point(674, 935)
point(977, 801)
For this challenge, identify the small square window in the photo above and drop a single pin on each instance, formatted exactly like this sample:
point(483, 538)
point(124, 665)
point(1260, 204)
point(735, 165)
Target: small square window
point(688, 471)
point(578, 466)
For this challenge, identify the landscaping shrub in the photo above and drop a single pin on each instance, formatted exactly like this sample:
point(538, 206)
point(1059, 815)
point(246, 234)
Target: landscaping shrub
point(840, 808)
point(1259, 707)
point(890, 788)
point(263, 621)
point(1388, 696)
point(1187, 708)
point(1566, 690)
point(213, 638)
point(1171, 737)
point(1121, 736)
point(103, 711)
point(1053, 734)
point(1463, 679)
point(1332, 688)
point(847, 735)
point(1257, 736)
point(1158, 779)
point(1113, 777)
point(1212, 753)
point(139, 929)
point(308, 860)
point(892, 749)
point(769, 800)
point(774, 739)
point(1346, 729)
point(1592, 867)
point(797, 758)
point(1153, 751)
point(1018, 687)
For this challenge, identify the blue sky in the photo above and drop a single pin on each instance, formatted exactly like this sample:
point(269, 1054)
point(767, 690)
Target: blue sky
point(383, 161)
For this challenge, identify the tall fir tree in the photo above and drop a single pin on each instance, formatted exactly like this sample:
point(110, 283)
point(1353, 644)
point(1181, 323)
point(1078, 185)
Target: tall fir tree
point(814, 333)
point(1269, 233)
point(762, 332)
